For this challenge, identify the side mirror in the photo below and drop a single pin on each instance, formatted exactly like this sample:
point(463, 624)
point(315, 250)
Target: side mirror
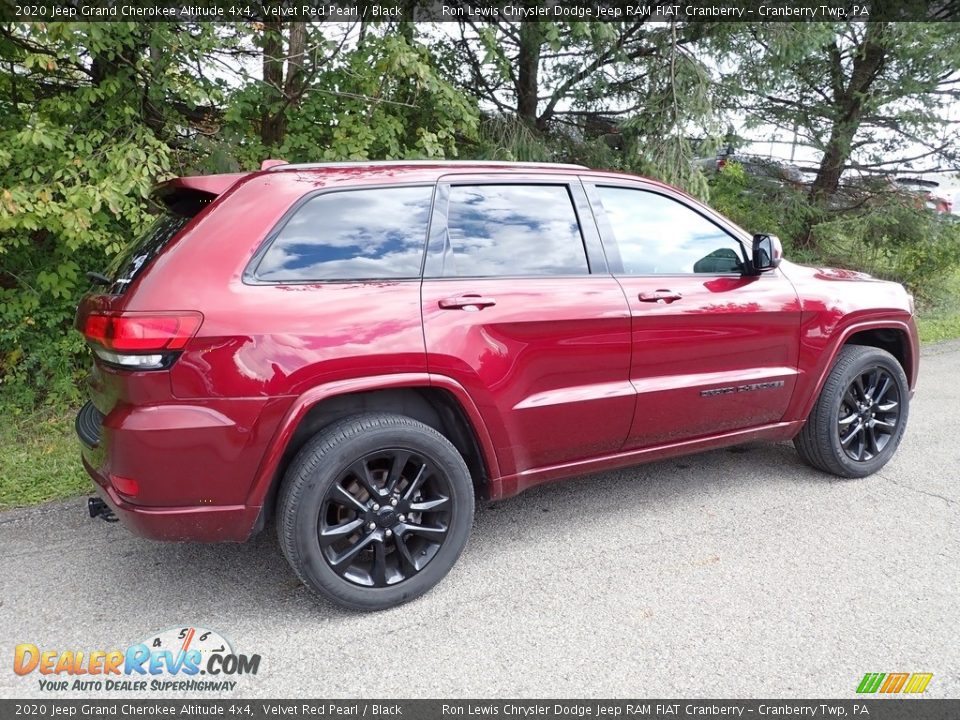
point(767, 253)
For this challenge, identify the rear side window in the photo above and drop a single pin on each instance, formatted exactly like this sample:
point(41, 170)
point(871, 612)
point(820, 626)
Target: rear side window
point(512, 230)
point(374, 234)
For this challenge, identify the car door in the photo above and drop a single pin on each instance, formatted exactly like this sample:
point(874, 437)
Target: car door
point(518, 307)
point(714, 349)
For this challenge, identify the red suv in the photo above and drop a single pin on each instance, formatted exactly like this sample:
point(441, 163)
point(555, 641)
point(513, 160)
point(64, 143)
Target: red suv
point(359, 350)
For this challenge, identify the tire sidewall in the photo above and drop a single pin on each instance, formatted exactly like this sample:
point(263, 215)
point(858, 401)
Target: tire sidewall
point(315, 570)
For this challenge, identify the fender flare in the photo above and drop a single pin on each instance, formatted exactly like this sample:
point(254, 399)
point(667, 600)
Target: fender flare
point(840, 338)
point(264, 478)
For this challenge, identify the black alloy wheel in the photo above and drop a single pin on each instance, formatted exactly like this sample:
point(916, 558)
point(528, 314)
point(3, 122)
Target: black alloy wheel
point(374, 510)
point(869, 414)
point(385, 518)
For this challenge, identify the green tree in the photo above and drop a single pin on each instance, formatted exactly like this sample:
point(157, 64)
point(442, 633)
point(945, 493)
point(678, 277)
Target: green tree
point(91, 115)
point(869, 97)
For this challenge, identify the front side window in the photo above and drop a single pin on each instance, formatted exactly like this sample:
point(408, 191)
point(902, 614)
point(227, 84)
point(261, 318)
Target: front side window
point(512, 230)
point(374, 234)
point(657, 235)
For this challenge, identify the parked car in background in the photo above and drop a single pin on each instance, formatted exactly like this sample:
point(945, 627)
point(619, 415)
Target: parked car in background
point(926, 193)
point(357, 351)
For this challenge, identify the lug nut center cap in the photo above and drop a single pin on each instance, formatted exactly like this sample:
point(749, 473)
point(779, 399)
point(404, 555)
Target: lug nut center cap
point(386, 517)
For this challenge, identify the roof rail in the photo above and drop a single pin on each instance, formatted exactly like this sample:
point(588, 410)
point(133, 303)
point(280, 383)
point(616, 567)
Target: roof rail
point(454, 163)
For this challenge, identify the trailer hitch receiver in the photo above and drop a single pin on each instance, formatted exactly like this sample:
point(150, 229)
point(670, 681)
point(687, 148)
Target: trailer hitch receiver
point(99, 509)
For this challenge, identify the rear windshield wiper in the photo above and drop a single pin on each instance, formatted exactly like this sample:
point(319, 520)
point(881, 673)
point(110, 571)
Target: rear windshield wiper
point(98, 279)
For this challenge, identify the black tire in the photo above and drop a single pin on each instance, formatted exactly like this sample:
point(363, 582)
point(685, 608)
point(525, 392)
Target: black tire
point(417, 533)
point(858, 421)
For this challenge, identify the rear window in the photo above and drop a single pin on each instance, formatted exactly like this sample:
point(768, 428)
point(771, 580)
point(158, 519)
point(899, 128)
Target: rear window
point(137, 256)
point(177, 208)
point(375, 234)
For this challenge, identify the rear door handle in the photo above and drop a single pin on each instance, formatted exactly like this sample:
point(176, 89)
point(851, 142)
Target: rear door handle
point(470, 303)
point(665, 296)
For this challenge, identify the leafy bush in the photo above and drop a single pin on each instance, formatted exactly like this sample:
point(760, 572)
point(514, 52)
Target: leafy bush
point(762, 205)
point(886, 234)
point(895, 240)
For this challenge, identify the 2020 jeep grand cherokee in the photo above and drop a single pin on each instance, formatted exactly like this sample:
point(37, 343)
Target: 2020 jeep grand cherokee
point(360, 349)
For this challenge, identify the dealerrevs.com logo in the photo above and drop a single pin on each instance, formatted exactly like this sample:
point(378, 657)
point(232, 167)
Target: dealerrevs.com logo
point(180, 659)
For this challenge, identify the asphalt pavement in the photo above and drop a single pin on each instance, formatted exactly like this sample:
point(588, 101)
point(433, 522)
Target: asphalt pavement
point(735, 573)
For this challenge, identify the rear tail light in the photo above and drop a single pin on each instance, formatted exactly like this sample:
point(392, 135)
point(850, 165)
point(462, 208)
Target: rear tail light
point(140, 341)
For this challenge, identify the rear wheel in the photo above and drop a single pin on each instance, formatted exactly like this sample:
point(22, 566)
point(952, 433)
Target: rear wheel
point(375, 510)
point(858, 421)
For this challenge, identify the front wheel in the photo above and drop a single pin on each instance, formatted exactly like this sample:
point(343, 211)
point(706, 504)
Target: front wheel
point(375, 510)
point(858, 421)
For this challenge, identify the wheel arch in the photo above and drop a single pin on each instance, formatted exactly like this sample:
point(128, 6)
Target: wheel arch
point(896, 336)
point(435, 401)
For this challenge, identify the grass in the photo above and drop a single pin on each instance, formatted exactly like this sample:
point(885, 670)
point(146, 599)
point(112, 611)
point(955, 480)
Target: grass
point(40, 460)
point(940, 320)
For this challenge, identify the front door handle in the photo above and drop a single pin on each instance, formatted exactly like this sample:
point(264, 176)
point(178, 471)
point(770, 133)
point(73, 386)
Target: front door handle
point(660, 296)
point(470, 303)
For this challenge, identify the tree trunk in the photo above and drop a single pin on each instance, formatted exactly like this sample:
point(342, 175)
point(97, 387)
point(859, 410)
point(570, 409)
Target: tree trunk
point(272, 119)
point(868, 62)
point(293, 87)
point(528, 68)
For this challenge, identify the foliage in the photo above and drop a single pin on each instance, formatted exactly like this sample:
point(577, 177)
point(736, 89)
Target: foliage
point(868, 96)
point(92, 115)
point(40, 461)
point(384, 98)
point(885, 233)
point(762, 205)
point(940, 314)
point(77, 159)
point(896, 240)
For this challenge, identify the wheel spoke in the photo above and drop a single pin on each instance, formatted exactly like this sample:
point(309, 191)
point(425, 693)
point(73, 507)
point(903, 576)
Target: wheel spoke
point(873, 379)
point(431, 533)
point(861, 443)
point(361, 471)
point(415, 484)
point(884, 426)
point(871, 441)
point(859, 389)
point(379, 571)
point(400, 459)
point(341, 496)
point(888, 407)
point(330, 534)
point(342, 561)
point(884, 389)
point(850, 399)
point(406, 558)
point(437, 504)
point(844, 441)
point(848, 419)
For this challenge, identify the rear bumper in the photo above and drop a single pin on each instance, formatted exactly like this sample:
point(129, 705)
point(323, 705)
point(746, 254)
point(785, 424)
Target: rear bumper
point(158, 469)
point(230, 523)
